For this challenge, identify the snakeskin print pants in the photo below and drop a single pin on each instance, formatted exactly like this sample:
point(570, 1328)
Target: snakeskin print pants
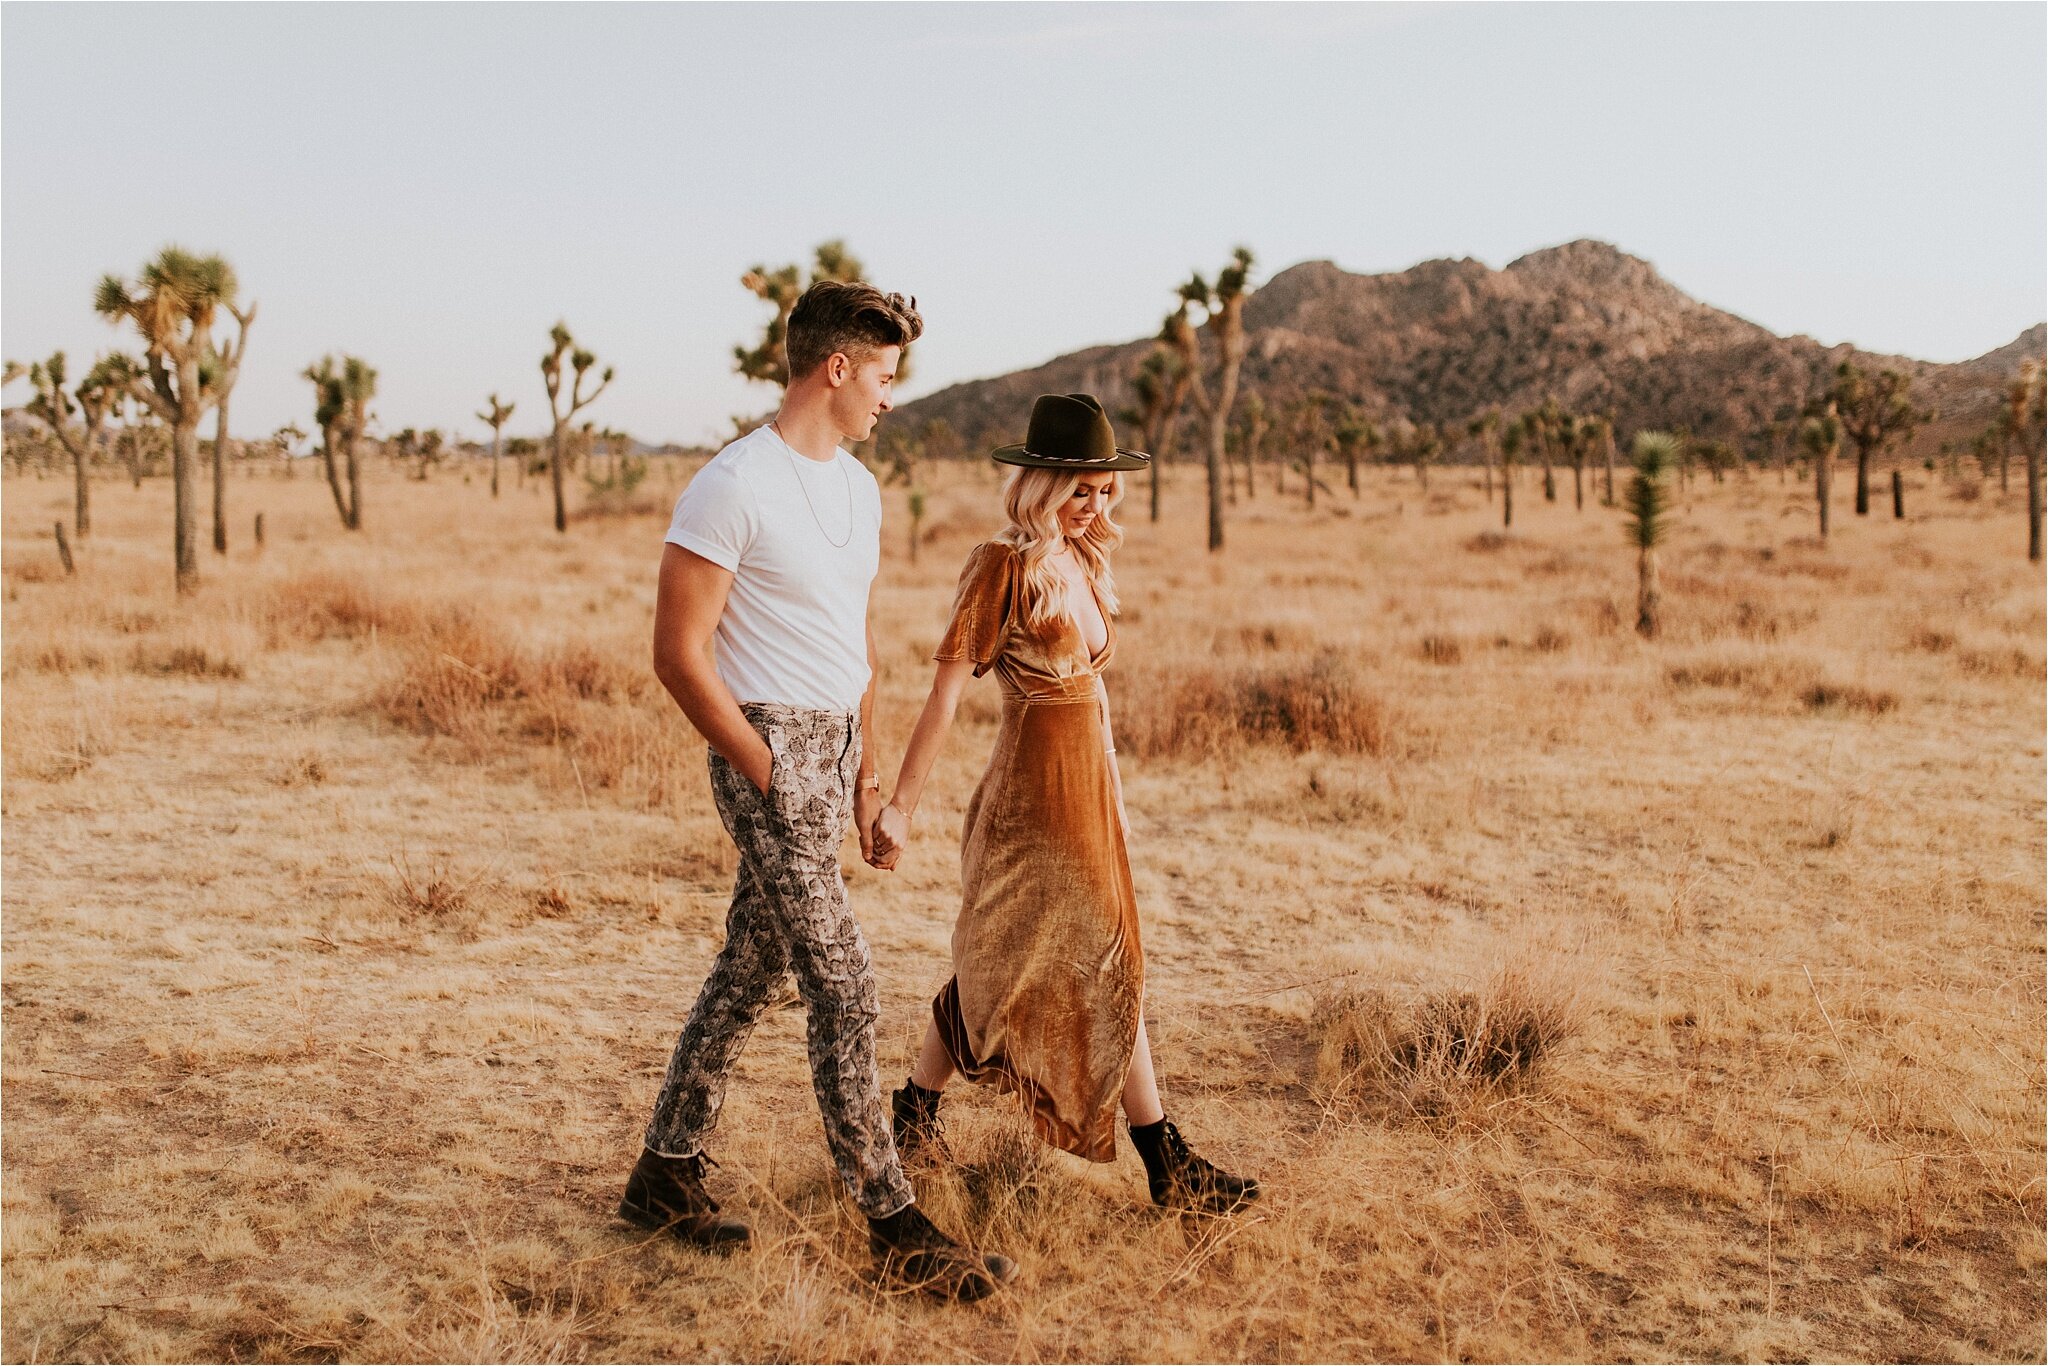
point(789, 914)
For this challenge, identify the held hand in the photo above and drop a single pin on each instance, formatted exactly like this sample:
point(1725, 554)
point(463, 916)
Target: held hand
point(892, 835)
point(867, 804)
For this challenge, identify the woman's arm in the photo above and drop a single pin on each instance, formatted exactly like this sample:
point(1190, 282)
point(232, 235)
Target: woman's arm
point(1116, 779)
point(892, 827)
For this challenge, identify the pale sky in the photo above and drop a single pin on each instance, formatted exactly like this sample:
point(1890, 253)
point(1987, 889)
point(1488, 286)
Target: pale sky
point(432, 186)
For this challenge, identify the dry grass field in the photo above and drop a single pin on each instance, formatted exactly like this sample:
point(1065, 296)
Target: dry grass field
point(1572, 996)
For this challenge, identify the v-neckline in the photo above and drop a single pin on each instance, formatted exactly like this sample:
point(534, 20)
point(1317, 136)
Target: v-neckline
point(1081, 631)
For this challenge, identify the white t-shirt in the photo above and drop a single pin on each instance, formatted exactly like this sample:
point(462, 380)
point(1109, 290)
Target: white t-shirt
point(803, 539)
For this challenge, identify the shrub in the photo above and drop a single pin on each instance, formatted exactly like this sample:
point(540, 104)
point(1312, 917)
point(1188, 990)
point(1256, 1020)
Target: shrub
point(1430, 1055)
point(1301, 704)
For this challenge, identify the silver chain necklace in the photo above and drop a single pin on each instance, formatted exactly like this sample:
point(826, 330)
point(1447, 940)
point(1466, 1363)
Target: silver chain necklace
point(804, 485)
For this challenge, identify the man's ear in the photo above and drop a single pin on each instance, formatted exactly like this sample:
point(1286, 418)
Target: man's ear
point(838, 369)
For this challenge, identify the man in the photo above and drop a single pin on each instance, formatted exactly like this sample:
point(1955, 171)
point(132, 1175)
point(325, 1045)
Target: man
point(770, 554)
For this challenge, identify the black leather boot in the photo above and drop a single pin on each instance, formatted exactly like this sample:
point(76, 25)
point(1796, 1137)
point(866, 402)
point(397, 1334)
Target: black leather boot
point(1182, 1179)
point(917, 1256)
point(914, 1116)
point(668, 1193)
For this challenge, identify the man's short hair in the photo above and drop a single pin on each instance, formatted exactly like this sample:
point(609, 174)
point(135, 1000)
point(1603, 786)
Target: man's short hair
point(854, 320)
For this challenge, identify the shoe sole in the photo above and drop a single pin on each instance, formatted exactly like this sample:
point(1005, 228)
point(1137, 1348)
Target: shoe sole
point(649, 1219)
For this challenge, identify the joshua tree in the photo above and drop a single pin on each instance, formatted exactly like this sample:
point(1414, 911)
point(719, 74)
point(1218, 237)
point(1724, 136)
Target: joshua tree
point(54, 408)
point(1821, 437)
point(1311, 429)
point(1649, 505)
point(341, 399)
point(1356, 435)
point(1224, 305)
point(172, 306)
point(1512, 441)
point(1596, 433)
point(2026, 416)
point(582, 362)
point(495, 417)
point(1485, 429)
point(1257, 422)
point(284, 438)
point(1718, 456)
point(227, 369)
point(782, 287)
point(1575, 437)
point(1545, 427)
point(1874, 412)
point(1419, 446)
point(1160, 384)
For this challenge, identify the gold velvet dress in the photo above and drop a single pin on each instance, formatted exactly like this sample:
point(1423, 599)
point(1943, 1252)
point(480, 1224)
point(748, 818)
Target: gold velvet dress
point(1048, 976)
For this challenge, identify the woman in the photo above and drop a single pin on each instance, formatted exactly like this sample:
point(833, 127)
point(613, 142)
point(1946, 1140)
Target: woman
point(1048, 978)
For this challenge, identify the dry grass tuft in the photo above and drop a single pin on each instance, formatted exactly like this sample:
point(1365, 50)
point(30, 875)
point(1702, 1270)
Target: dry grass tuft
point(1436, 1055)
point(1437, 649)
point(1850, 697)
point(1302, 704)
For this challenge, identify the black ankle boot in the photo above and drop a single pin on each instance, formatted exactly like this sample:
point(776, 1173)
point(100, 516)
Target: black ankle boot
point(915, 1254)
point(1181, 1179)
point(668, 1193)
point(914, 1117)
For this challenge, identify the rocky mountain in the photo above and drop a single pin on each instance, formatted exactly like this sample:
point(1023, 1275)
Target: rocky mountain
point(1584, 323)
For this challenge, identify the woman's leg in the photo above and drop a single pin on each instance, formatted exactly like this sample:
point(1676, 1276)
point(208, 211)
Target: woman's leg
point(1141, 1088)
point(934, 1065)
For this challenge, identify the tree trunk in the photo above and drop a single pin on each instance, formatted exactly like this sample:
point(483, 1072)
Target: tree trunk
point(1898, 496)
point(1308, 468)
point(220, 479)
point(1823, 486)
point(1607, 453)
point(184, 505)
point(1649, 598)
point(1549, 482)
point(355, 485)
point(1251, 465)
point(1486, 458)
point(327, 443)
point(561, 506)
point(259, 531)
point(1579, 487)
point(1507, 499)
point(1351, 471)
point(64, 551)
point(81, 512)
point(2004, 459)
point(497, 441)
point(1862, 480)
point(1422, 475)
point(2034, 496)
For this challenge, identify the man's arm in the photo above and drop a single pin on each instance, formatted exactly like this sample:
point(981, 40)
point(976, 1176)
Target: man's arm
point(688, 602)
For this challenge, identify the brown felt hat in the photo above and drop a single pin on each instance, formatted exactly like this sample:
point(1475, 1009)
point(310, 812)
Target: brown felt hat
point(1070, 432)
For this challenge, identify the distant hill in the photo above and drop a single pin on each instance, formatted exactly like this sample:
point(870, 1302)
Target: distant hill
point(1584, 323)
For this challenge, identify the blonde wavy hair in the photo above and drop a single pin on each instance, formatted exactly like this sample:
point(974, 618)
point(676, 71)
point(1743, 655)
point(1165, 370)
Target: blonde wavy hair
point(1031, 500)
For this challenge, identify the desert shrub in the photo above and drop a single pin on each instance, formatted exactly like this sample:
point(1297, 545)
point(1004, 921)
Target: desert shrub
point(2006, 662)
point(1442, 649)
point(1303, 704)
point(1550, 639)
point(1487, 541)
point(1850, 697)
point(187, 659)
point(1431, 1055)
point(317, 606)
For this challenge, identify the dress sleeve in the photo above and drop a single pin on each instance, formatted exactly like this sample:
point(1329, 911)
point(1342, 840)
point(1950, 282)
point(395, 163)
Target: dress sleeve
point(982, 607)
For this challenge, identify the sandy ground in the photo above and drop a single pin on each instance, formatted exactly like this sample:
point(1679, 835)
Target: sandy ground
point(351, 909)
